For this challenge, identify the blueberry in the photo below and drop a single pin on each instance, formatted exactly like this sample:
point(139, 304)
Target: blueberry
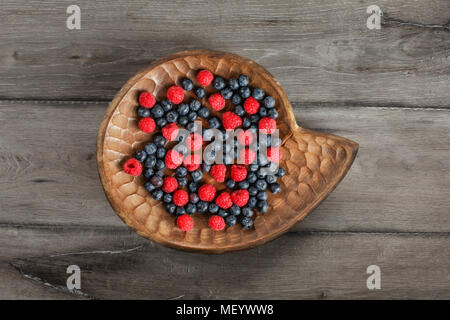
point(252, 202)
point(271, 179)
point(187, 84)
point(193, 198)
point(157, 181)
point(236, 99)
point(159, 141)
point(183, 109)
point(183, 181)
point(269, 102)
point(157, 111)
point(195, 105)
point(233, 83)
point(226, 93)
point(262, 195)
point(218, 83)
point(244, 92)
point(261, 185)
point(202, 206)
point(222, 213)
point(246, 123)
point(258, 94)
point(230, 220)
point(149, 186)
point(206, 167)
point(170, 207)
point(151, 161)
point(183, 120)
point(272, 113)
point(160, 173)
point(172, 116)
point(150, 148)
point(203, 112)
point(261, 173)
point(140, 155)
point(247, 223)
point(191, 208)
point(213, 208)
point(239, 110)
point(181, 148)
point(180, 211)
point(148, 173)
point(254, 118)
point(254, 167)
point(275, 188)
point(159, 165)
point(252, 191)
point(230, 184)
point(161, 122)
point(192, 116)
point(243, 80)
point(157, 194)
point(193, 186)
point(197, 175)
point(254, 126)
point(161, 152)
point(200, 92)
point(235, 210)
point(262, 112)
point(251, 177)
point(143, 112)
point(244, 184)
point(214, 123)
point(166, 105)
point(262, 206)
point(247, 212)
point(167, 198)
point(180, 172)
point(281, 172)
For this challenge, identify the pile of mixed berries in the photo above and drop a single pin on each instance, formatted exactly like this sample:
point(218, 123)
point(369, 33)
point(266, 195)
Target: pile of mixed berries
point(175, 174)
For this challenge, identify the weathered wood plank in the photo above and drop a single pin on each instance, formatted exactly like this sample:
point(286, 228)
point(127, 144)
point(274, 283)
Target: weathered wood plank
point(321, 51)
point(399, 181)
point(296, 266)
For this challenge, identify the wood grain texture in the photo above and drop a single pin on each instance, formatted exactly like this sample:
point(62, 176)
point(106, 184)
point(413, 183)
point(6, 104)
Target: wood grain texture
point(399, 181)
point(321, 51)
point(318, 265)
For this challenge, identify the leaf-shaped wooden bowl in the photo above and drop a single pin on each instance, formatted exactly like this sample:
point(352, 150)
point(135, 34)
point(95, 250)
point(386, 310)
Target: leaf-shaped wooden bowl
point(315, 162)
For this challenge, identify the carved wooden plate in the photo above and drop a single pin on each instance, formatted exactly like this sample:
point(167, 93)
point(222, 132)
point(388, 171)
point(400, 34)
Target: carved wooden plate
point(315, 162)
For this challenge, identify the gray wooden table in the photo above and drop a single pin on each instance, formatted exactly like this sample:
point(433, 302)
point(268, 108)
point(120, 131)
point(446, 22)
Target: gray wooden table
point(387, 89)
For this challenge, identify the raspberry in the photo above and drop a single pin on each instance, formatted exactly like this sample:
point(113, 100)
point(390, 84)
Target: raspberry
point(216, 101)
point(218, 172)
point(240, 197)
point(175, 94)
point(251, 105)
point(180, 197)
point(247, 156)
point(170, 184)
point(192, 162)
point(274, 154)
point(267, 125)
point(194, 141)
point(173, 159)
point(133, 167)
point(245, 137)
point(216, 223)
point(147, 125)
point(147, 100)
point(207, 192)
point(224, 200)
point(170, 131)
point(185, 222)
point(231, 120)
point(238, 172)
point(204, 78)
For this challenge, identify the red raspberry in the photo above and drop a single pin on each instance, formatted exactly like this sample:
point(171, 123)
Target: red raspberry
point(251, 105)
point(216, 101)
point(192, 162)
point(207, 192)
point(147, 125)
point(267, 125)
point(147, 100)
point(224, 200)
point(170, 131)
point(238, 172)
point(273, 154)
point(240, 197)
point(231, 120)
point(247, 156)
point(175, 94)
point(216, 223)
point(173, 159)
point(180, 197)
point(245, 137)
point(133, 167)
point(185, 222)
point(218, 172)
point(194, 141)
point(204, 77)
point(170, 184)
